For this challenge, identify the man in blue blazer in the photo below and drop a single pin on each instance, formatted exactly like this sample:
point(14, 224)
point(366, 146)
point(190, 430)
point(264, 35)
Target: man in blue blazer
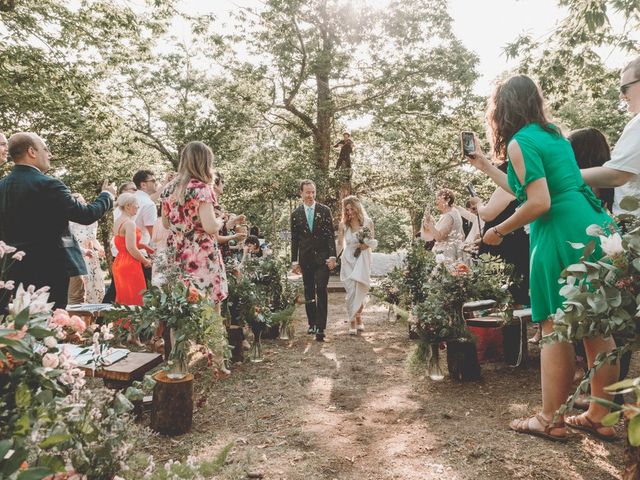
point(313, 253)
point(35, 211)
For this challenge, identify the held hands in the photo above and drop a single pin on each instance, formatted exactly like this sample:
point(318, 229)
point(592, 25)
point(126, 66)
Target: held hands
point(296, 269)
point(331, 263)
point(109, 187)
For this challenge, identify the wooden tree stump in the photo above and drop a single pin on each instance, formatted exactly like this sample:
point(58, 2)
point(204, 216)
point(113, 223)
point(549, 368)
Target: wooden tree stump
point(172, 407)
point(462, 360)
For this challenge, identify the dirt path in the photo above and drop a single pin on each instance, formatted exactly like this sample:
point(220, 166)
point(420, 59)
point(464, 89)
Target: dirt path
point(349, 409)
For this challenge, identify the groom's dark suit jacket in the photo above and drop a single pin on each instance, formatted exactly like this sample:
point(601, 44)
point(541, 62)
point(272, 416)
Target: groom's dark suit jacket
point(312, 249)
point(35, 211)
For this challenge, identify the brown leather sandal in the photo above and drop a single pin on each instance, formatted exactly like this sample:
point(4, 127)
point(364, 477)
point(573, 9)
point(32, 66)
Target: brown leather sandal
point(521, 425)
point(584, 423)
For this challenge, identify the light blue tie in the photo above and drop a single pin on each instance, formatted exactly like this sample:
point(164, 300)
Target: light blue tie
point(309, 217)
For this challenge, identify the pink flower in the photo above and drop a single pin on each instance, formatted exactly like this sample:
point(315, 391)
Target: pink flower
point(18, 335)
point(50, 360)
point(51, 342)
point(18, 255)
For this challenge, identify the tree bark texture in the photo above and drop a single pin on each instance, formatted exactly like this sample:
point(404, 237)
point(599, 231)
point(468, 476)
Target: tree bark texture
point(172, 407)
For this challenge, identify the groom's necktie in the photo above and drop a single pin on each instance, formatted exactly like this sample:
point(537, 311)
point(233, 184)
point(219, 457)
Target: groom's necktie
point(309, 217)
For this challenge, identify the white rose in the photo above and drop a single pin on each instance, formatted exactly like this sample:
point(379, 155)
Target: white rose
point(611, 245)
point(51, 342)
point(50, 360)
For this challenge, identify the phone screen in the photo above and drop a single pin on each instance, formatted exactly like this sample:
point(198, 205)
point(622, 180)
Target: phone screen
point(468, 145)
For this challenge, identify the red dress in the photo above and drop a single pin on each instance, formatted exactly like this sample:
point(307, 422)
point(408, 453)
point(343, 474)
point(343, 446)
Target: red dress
point(127, 273)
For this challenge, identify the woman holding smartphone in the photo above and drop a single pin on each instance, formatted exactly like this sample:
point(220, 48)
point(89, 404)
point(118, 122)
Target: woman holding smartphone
point(543, 175)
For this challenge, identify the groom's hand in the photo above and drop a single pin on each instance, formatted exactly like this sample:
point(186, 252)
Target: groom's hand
point(331, 263)
point(295, 268)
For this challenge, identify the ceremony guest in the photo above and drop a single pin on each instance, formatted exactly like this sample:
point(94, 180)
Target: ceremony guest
point(127, 267)
point(423, 234)
point(623, 170)
point(447, 232)
point(145, 182)
point(355, 268)
point(313, 254)
point(92, 251)
point(591, 149)
point(188, 212)
point(543, 175)
point(4, 149)
point(35, 211)
point(229, 220)
point(110, 295)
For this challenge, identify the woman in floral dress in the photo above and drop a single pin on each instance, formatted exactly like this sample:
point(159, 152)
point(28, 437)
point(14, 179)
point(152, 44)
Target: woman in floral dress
point(188, 213)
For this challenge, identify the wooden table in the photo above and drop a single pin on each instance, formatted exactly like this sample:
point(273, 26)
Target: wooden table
point(124, 372)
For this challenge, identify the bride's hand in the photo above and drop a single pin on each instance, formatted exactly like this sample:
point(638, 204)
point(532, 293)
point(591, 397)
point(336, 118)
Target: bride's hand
point(363, 246)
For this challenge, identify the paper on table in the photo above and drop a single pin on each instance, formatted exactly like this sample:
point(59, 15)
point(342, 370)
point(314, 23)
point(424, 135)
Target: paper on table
point(85, 359)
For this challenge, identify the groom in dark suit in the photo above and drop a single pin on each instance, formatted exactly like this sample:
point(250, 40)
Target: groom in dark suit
point(313, 253)
point(35, 211)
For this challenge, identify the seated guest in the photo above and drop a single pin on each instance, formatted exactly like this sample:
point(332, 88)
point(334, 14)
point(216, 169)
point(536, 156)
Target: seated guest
point(52, 254)
point(251, 248)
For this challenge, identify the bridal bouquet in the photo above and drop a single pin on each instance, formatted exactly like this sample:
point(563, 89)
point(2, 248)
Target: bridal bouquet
point(362, 236)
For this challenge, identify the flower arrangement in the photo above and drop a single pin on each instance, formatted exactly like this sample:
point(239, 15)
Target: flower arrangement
point(362, 235)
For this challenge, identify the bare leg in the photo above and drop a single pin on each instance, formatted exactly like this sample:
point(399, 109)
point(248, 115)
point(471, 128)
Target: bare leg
point(606, 375)
point(557, 364)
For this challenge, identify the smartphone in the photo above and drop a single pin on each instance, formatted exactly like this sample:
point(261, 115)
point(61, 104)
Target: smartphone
point(468, 144)
point(471, 190)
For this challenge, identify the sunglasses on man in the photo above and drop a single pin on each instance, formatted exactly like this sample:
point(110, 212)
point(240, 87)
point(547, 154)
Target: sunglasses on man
point(625, 88)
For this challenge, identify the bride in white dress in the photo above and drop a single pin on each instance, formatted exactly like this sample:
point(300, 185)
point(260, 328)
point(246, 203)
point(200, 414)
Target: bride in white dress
point(355, 269)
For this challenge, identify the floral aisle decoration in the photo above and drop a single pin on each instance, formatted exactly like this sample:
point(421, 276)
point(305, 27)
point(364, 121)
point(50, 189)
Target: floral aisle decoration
point(603, 298)
point(50, 423)
point(439, 317)
point(188, 315)
point(275, 291)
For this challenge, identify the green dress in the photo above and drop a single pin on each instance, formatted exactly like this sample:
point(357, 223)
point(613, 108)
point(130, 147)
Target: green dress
point(573, 208)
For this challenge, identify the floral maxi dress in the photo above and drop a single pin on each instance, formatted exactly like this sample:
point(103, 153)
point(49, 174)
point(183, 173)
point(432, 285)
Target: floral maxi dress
point(196, 251)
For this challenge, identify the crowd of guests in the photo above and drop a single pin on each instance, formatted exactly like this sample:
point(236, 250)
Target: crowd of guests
point(542, 201)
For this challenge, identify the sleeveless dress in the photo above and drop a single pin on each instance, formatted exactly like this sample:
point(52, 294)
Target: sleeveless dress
point(573, 208)
point(451, 247)
point(94, 280)
point(196, 251)
point(127, 273)
point(355, 273)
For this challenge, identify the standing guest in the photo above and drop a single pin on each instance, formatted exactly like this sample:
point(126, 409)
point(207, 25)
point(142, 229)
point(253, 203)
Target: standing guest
point(159, 239)
point(346, 147)
point(92, 251)
point(110, 295)
point(4, 149)
point(448, 232)
point(423, 234)
point(145, 182)
point(313, 253)
point(229, 220)
point(355, 269)
point(128, 265)
point(52, 254)
point(591, 149)
point(188, 212)
point(472, 223)
point(543, 175)
point(623, 170)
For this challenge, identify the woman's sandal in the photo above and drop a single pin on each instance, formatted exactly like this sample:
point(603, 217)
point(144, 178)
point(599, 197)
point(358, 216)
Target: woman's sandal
point(521, 425)
point(359, 324)
point(584, 423)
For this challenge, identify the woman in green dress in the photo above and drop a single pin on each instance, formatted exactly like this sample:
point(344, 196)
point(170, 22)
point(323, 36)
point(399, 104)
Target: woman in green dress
point(543, 175)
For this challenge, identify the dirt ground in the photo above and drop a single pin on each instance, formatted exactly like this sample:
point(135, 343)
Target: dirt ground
point(350, 409)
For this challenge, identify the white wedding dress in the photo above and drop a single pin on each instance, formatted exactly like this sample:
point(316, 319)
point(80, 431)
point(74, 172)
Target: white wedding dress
point(355, 273)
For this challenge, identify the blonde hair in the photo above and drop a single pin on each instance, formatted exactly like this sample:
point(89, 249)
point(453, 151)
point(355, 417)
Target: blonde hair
point(357, 206)
point(125, 199)
point(196, 161)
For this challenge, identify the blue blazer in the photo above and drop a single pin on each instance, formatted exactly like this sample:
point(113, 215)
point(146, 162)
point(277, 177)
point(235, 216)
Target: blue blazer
point(35, 211)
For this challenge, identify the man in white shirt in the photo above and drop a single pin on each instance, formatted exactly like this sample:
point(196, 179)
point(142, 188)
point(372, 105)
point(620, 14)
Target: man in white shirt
point(623, 170)
point(145, 182)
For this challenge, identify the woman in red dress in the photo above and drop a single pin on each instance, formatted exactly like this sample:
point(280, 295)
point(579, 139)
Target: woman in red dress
point(127, 267)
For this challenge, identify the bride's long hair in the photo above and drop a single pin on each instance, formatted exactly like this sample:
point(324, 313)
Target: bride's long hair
point(357, 207)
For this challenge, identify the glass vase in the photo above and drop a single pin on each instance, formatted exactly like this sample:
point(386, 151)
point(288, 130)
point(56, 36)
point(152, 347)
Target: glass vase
point(178, 368)
point(255, 354)
point(434, 369)
point(286, 331)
